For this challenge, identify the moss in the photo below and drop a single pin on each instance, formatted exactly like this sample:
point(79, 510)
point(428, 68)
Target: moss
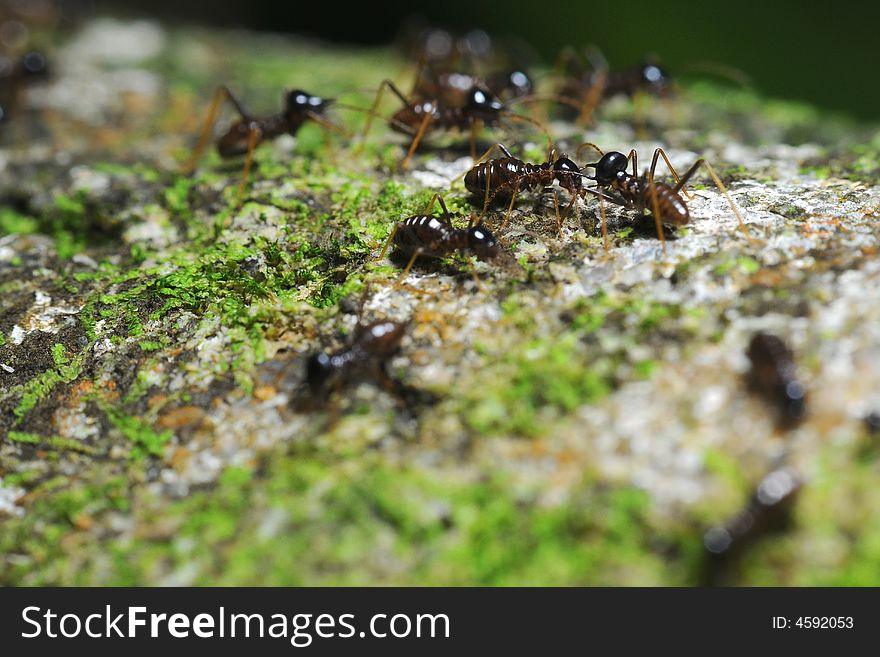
point(40, 386)
point(324, 508)
point(146, 441)
point(303, 521)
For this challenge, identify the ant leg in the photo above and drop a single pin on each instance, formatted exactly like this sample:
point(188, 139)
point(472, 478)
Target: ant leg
point(221, 93)
point(679, 184)
point(408, 267)
point(475, 129)
point(476, 278)
point(592, 98)
point(253, 137)
point(569, 207)
point(604, 224)
point(635, 162)
point(422, 67)
point(564, 60)
point(558, 218)
point(386, 83)
point(509, 207)
point(655, 210)
point(577, 153)
point(390, 240)
point(438, 197)
point(327, 124)
point(720, 185)
point(537, 124)
point(418, 138)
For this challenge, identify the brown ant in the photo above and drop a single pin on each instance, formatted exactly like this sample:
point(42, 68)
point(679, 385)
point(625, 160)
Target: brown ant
point(435, 237)
point(588, 85)
point(249, 131)
point(507, 176)
point(439, 50)
point(452, 88)
point(15, 74)
point(642, 193)
point(768, 510)
point(373, 345)
point(773, 376)
point(418, 116)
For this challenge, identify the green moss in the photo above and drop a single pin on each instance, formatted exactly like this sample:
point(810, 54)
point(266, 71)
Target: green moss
point(540, 380)
point(14, 223)
point(146, 441)
point(40, 386)
point(305, 521)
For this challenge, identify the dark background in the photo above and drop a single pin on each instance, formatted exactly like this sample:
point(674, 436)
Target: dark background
point(825, 53)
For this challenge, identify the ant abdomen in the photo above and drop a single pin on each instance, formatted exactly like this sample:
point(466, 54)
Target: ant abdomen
point(497, 176)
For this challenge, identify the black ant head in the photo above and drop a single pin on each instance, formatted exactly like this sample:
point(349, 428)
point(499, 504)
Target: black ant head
point(483, 104)
point(517, 82)
point(299, 101)
point(482, 242)
point(655, 78)
point(608, 167)
point(33, 65)
point(319, 369)
point(563, 164)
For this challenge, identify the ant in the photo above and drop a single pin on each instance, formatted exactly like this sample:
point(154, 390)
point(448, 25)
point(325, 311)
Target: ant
point(589, 85)
point(15, 73)
point(508, 176)
point(417, 116)
point(373, 345)
point(451, 87)
point(642, 193)
point(768, 510)
point(249, 131)
point(435, 237)
point(773, 376)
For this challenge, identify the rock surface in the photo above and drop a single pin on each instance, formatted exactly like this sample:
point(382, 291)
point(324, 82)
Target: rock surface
point(579, 417)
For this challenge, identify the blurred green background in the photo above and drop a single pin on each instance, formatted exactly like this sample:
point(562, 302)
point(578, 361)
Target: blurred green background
point(820, 52)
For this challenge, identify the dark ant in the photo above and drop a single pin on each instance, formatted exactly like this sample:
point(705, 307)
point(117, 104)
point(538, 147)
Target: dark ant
point(452, 88)
point(644, 193)
point(373, 345)
point(250, 131)
point(773, 376)
point(416, 117)
point(588, 85)
point(435, 237)
point(508, 176)
point(15, 74)
point(768, 510)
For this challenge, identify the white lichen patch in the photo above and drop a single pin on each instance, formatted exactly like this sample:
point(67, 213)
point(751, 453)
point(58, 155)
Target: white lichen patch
point(9, 496)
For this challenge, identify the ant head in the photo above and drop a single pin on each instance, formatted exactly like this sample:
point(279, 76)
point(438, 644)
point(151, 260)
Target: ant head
point(654, 77)
point(563, 164)
point(482, 101)
point(482, 242)
point(608, 167)
point(381, 338)
point(319, 368)
point(33, 64)
point(519, 82)
point(298, 101)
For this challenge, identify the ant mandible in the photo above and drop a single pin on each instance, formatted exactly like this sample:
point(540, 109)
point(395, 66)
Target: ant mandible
point(435, 237)
point(250, 131)
point(642, 193)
